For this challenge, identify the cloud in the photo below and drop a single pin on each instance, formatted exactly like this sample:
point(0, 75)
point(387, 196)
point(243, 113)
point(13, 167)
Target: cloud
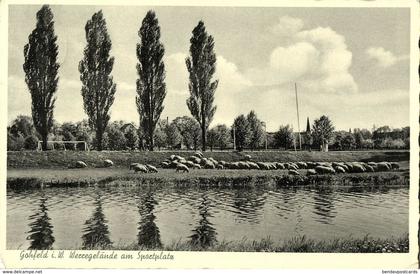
point(383, 57)
point(287, 25)
point(317, 58)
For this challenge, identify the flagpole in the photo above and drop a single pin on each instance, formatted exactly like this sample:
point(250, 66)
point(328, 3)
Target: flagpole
point(297, 111)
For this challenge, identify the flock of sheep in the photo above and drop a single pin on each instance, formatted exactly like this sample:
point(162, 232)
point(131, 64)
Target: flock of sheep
point(198, 161)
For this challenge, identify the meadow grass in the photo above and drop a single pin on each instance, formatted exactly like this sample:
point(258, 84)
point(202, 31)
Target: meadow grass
point(61, 159)
point(299, 244)
point(24, 178)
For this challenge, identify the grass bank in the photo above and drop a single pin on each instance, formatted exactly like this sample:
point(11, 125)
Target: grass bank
point(61, 159)
point(366, 244)
point(25, 178)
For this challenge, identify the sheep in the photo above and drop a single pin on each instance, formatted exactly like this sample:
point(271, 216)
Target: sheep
point(263, 166)
point(395, 165)
point(173, 164)
point(151, 168)
point(247, 157)
point(194, 159)
point(339, 169)
point(369, 168)
point(383, 166)
point(293, 172)
point(219, 166)
point(223, 163)
point(253, 165)
point(197, 166)
point(179, 158)
point(324, 170)
point(209, 165)
point(108, 163)
point(310, 165)
point(357, 168)
point(182, 167)
point(302, 165)
point(140, 168)
point(280, 166)
point(243, 165)
point(80, 164)
point(198, 154)
point(172, 157)
point(339, 165)
point(164, 165)
point(188, 163)
point(132, 165)
point(234, 165)
point(311, 172)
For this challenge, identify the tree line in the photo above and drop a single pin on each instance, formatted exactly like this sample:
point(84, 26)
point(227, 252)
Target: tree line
point(246, 132)
point(98, 90)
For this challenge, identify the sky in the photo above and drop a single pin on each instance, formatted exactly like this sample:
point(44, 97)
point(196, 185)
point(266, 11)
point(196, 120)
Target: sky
point(351, 64)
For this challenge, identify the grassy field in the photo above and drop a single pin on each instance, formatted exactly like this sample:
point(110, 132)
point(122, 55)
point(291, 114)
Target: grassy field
point(21, 178)
point(61, 159)
point(36, 169)
point(366, 244)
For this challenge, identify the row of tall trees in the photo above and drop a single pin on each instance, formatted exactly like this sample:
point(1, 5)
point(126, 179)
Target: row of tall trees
point(98, 88)
point(185, 133)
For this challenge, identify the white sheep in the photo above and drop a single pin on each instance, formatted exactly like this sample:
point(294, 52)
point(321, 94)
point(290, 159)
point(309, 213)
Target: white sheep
point(151, 168)
point(108, 163)
point(182, 167)
point(80, 164)
point(141, 168)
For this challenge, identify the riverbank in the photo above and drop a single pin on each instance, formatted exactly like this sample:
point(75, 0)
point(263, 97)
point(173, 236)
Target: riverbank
point(36, 178)
point(366, 244)
point(62, 159)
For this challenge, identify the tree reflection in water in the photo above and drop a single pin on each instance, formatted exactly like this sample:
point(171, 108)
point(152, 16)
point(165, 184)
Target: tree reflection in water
point(96, 233)
point(41, 230)
point(204, 235)
point(249, 202)
point(149, 234)
point(324, 205)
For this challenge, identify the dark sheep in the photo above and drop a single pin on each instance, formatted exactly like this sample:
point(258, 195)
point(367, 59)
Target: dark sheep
point(324, 170)
point(395, 165)
point(383, 166)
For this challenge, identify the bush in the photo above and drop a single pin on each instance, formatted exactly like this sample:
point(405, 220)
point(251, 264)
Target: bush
point(15, 143)
point(31, 142)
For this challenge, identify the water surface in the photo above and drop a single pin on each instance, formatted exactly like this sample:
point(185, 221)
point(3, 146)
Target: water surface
point(70, 218)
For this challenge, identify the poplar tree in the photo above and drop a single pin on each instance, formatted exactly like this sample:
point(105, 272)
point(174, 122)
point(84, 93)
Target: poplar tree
point(41, 72)
point(201, 65)
point(98, 87)
point(151, 87)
